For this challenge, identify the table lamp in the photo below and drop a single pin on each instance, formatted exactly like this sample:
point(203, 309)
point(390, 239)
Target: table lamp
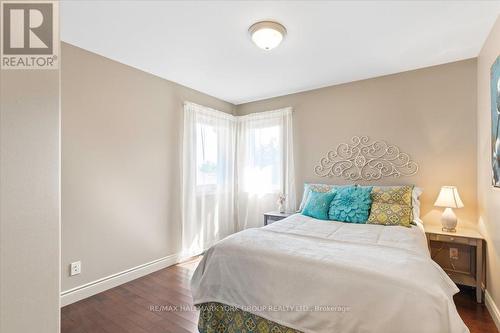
point(448, 197)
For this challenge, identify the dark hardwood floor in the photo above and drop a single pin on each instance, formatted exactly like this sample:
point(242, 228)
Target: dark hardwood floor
point(476, 316)
point(161, 302)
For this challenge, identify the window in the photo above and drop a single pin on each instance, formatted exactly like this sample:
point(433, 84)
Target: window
point(263, 157)
point(234, 169)
point(206, 155)
point(208, 199)
point(264, 164)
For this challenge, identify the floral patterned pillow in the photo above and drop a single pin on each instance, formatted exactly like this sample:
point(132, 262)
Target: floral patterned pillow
point(351, 204)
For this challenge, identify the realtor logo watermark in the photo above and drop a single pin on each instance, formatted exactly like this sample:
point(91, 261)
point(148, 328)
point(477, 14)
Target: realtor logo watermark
point(29, 35)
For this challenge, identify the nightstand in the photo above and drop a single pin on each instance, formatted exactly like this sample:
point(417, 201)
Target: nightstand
point(460, 254)
point(271, 217)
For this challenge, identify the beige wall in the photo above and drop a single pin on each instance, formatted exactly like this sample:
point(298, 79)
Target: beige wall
point(121, 132)
point(429, 113)
point(29, 201)
point(121, 138)
point(488, 196)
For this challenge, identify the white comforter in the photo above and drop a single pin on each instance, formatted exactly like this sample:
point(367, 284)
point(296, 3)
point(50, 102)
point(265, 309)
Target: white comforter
point(365, 278)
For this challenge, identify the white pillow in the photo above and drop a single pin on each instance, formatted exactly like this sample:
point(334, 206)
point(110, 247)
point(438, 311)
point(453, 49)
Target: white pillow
point(415, 202)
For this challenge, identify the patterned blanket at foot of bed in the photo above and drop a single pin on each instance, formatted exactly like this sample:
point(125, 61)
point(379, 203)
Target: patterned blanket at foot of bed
point(221, 318)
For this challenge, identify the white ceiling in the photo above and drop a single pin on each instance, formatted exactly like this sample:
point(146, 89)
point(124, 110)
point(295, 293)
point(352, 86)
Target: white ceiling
point(204, 45)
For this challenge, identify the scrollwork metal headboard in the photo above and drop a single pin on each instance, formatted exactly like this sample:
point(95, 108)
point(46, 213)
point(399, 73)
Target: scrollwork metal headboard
point(366, 160)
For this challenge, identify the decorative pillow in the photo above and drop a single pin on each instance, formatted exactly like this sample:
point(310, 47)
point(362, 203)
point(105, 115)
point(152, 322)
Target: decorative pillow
point(415, 202)
point(351, 204)
point(401, 195)
point(317, 204)
point(308, 188)
point(390, 214)
point(392, 205)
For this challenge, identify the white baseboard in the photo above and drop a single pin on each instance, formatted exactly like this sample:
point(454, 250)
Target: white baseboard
point(492, 308)
point(114, 280)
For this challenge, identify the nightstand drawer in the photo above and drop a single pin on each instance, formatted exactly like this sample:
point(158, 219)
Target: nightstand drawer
point(271, 217)
point(450, 239)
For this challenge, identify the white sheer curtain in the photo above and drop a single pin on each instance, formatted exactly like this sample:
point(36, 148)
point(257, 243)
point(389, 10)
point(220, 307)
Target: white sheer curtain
point(265, 165)
point(208, 177)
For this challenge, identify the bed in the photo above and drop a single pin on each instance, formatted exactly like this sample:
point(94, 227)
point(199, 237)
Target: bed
point(308, 275)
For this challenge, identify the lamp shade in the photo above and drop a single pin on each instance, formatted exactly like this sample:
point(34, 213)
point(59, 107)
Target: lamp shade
point(448, 197)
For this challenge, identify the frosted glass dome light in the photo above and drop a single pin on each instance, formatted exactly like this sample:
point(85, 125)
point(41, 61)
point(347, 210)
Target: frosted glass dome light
point(267, 34)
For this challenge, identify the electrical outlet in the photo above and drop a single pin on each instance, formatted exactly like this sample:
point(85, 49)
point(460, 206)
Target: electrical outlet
point(453, 253)
point(75, 268)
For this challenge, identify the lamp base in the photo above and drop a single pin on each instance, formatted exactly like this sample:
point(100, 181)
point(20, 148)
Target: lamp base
point(449, 220)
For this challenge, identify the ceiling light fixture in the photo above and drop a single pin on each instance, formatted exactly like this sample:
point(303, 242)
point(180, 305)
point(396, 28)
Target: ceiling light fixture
point(267, 34)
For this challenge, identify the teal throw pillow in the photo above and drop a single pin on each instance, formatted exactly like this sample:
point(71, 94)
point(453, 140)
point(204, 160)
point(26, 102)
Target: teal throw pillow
point(318, 204)
point(351, 204)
